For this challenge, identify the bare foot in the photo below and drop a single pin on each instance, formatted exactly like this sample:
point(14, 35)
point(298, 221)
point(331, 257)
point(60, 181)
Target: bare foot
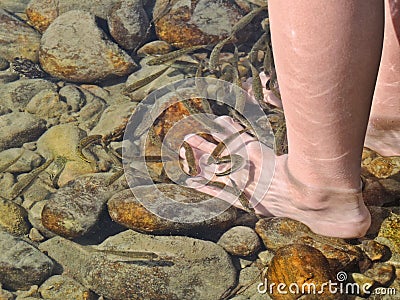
point(383, 136)
point(272, 191)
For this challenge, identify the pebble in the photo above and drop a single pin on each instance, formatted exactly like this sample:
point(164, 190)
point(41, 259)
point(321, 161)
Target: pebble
point(187, 268)
point(47, 104)
point(185, 23)
point(114, 119)
point(128, 211)
point(60, 287)
point(154, 48)
point(17, 39)
point(4, 64)
point(62, 141)
point(382, 273)
point(13, 218)
point(74, 210)
point(16, 95)
point(279, 232)
point(240, 241)
point(7, 77)
point(128, 23)
point(374, 250)
point(74, 49)
point(42, 13)
point(35, 235)
point(26, 163)
point(21, 264)
point(300, 264)
point(18, 128)
point(266, 257)
point(73, 97)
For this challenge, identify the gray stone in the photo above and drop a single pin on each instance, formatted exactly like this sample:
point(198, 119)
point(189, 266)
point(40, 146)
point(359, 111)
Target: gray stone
point(35, 218)
point(17, 94)
point(240, 241)
point(74, 209)
point(169, 208)
point(266, 257)
point(91, 112)
point(17, 39)
point(7, 76)
point(35, 235)
point(21, 264)
point(63, 287)
point(73, 48)
point(4, 64)
point(137, 266)
point(26, 163)
point(73, 97)
point(114, 119)
point(6, 182)
point(47, 104)
point(14, 6)
point(42, 13)
point(129, 24)
point(18, 128)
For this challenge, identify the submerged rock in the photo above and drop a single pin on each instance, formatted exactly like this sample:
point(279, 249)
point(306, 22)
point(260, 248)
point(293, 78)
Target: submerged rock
point(129, 24)
point(21, 265)
point(73, 48)
point(17, 39)
point(13, 218)
point(240, 240)
point(63, 287)
point(125, 209)
point(185, 23)
point(137, 266)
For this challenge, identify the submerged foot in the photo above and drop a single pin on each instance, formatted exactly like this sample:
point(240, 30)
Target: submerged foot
point(272, 191)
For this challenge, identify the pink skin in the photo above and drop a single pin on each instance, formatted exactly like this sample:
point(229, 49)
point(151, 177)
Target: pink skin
point(327, 55)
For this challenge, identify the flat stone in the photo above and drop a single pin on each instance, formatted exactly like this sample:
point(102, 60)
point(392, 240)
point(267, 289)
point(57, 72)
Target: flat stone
point(154, 48)
point(299, 264)
point(42, 13)
point(7, 77)
point(17, 39)
point(280, 232)
point(240, 241)
point(185, 23)
point(73, 48)
point(26, 163)
point(18, 128)
point(125, 209)
point(21, 265)
point(74, 209)
point(60, 287)
point(129, 24)
point(151, 267)
point(13, 218)
point(16, 95)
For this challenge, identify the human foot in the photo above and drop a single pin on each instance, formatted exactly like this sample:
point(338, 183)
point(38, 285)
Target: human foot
point(331, 212)
point(383, 136)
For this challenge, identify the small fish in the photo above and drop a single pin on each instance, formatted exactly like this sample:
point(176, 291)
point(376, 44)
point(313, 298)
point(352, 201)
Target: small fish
point(4, 167)
point(86, 141)
point(236, 163)
point(243, 22)
point(214, 56)
point(23, 184)
point(243, 199)
point(142, 82)
point(173, 55)
point(114, 177)
point(191, 161)
point(222, 146)
point(137, 255)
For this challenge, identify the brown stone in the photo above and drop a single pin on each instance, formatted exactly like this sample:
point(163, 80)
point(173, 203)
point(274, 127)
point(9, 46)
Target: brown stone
point(374, 250)
point(280, 232)
point(200, 22)
point(382, 273)
point(299, 266)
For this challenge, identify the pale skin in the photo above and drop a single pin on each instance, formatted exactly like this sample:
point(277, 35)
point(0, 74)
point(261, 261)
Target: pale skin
point(327, 56)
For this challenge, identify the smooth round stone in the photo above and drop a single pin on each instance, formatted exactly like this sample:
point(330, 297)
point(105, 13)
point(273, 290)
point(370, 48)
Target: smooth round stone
point(47, 104)
point(128, 23)
point(73, 97)
point(154, 48)
point(201, 22)
point(62, 287)
point(126, 210)
point(299, 264)
point(240, 241)
point(13, 218)
point(73, 48)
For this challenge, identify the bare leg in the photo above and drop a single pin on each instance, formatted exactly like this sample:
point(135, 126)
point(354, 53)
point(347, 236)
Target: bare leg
point(327, 56)
point(383, 133)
